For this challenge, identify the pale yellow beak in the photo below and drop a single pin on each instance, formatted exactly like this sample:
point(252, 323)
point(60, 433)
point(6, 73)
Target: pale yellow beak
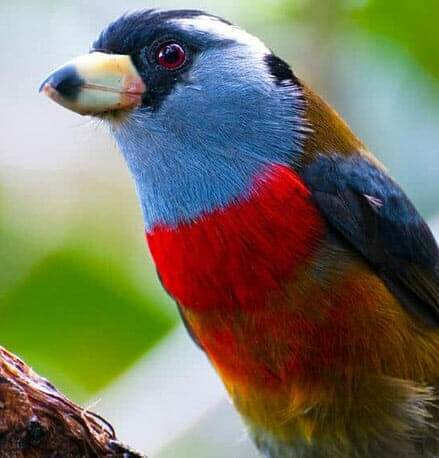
point(96, 83)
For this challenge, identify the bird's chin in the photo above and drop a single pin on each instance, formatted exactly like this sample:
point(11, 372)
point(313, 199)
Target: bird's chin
point(114, 117)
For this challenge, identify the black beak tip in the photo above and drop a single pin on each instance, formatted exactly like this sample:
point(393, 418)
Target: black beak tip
point(65, 81)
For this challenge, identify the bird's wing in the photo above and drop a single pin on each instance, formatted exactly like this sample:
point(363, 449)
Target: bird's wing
point(373, 214)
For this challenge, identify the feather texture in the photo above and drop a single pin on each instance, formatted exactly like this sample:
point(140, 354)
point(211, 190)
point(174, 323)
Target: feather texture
point(370, 210)
point(309, 341)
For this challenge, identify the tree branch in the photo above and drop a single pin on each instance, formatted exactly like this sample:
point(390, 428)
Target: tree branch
point(36, 420)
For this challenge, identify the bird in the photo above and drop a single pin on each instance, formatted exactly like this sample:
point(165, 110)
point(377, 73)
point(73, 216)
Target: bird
point(298, 265)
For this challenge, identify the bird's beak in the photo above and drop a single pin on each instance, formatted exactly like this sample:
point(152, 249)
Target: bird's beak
point(96, 83)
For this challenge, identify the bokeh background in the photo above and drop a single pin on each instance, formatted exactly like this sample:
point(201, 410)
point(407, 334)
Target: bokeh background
point(78, 296)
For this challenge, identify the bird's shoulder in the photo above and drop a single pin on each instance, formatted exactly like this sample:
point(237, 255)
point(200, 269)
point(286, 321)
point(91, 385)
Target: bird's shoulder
point(370, 211)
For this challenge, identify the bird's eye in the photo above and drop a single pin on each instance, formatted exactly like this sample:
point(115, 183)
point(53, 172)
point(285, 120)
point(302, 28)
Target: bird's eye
point(171, 56)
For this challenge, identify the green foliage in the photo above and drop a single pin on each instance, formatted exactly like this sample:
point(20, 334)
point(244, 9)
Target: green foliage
point(412, 25)
point(79, 321)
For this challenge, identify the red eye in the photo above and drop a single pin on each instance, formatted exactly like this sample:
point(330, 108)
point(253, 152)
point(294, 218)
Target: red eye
point(171, 56)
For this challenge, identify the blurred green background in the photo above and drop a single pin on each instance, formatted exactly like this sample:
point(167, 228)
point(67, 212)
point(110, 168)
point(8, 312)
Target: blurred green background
point(79, 299)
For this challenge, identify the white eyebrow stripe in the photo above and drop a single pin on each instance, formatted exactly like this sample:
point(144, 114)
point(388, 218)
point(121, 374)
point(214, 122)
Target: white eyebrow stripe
point(224, 31)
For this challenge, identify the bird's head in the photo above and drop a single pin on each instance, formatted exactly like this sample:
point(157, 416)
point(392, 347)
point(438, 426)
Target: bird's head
point(198, 107)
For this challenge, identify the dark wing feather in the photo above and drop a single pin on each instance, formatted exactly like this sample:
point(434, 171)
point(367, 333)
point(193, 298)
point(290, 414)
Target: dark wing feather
point(373, 214)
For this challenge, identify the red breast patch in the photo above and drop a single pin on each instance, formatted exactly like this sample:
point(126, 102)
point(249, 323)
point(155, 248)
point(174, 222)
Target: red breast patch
point(233, 256)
